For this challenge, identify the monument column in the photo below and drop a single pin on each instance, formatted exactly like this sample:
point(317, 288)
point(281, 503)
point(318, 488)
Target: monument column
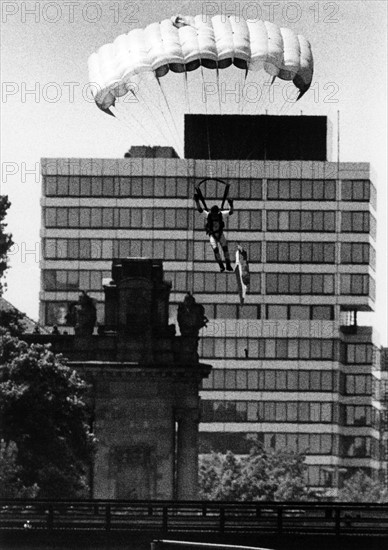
point(187, 454)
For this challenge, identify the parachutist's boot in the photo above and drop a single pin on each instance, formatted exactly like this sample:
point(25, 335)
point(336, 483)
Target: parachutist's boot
point(227, 259)
point(221, 264)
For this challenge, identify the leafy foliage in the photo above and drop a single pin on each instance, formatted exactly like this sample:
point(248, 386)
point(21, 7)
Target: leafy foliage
point(362, 488)
point(5, 238)
point(265, 474)
point(13, 321)
point(43, 411)
point(10, 482)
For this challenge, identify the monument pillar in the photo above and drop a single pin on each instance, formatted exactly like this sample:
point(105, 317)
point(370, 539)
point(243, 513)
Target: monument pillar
point(187, 454)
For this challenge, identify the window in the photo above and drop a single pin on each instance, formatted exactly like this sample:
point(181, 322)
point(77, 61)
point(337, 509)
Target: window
point(355, 222)
point(182, 186)
point(107, 217)
point(226, 311)
point(359, 354)
point(322, 312)
point(49, 279)
point(358, 384)
point(62, 185)
point(358, 447)
point(96, 217)
point(74, 217)
point(270, 380)
point(108, 186)
point(272, 220)
point(96, 187)
point(296, 283)
point(355, 284)
point(302, 189)
point(272, 411)
point(50, 217)
point(256, 187)
point(50, 186)
point(249, 312)
point(277, 312)
point(170, 218)
point(355, 190)
point(262, 348)
point(55, 313)
point(357, 415)
point(304, 252)
point(300, 220)
point(182, 219)
point(355, 253)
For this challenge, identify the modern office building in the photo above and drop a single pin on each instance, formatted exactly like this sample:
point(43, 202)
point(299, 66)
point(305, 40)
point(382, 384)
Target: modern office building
point(291, 368)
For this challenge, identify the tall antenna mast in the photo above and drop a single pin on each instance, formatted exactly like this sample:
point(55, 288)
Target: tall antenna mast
point(338, 138)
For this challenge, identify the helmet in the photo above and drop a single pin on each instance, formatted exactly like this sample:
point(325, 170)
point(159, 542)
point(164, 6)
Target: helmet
point(214, 209)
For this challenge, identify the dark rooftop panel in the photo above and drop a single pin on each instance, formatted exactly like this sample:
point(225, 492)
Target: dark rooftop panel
point(255, 137)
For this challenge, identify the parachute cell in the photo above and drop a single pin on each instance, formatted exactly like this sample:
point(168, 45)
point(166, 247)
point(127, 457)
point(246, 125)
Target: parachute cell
point(137, 63)
point(305, 73)
point(258, 37)
point(291, 55)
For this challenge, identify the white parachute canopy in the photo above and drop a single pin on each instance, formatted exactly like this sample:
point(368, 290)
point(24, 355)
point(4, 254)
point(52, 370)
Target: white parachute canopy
point(193, 64)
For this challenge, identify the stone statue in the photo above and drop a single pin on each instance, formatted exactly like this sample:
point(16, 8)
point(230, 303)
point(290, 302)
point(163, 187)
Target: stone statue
point(82, 315)
point(191, 316)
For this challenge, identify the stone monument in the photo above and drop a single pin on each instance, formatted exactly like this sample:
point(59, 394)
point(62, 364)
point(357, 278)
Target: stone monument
point(144, 383)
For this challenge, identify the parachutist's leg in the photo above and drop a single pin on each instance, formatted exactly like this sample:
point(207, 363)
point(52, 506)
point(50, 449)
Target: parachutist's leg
point(219, 259)
point(217, 255)
point(224, 245)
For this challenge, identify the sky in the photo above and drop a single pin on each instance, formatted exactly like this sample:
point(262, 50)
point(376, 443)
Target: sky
point(47, 110)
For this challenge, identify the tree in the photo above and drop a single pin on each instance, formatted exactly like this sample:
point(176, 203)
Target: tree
point(265, 474)
point(5, 238)
point(10, 482)
point(362, 488)
point(12, 320)
point(43, 410)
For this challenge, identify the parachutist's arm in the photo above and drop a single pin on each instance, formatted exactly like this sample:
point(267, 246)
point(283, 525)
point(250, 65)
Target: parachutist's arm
point(198, 204)
point(229, 212)
point(231, 209)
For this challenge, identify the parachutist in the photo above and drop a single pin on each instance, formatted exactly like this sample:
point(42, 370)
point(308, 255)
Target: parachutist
point(214, 225)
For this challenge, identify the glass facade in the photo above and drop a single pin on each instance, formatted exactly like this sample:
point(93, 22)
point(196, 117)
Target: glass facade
point(284, 373)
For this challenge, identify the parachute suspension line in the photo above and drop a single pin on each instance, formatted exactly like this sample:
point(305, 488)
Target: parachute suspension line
point(189, 231)
point(255, 113)
point(187, 96)
point(247, 81)
point(121, 116)
point(287, 105)
point(267, 97)
point(206, 111)
point(189, 205)
point(192, 251)
point(242, 79)
point(146, 113)
point(218, 90)
point(178, 140)
point(127, 119)
point(155, 116)
point(243, 141)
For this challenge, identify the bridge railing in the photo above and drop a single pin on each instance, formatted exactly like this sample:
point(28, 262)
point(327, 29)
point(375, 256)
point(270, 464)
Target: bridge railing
point(194, 516)
point(183, 545)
